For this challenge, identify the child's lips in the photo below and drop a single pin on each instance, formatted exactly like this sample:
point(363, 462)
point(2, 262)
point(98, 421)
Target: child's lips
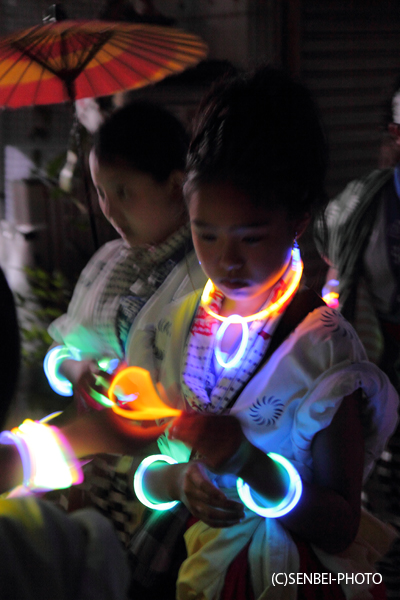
point(234, 284)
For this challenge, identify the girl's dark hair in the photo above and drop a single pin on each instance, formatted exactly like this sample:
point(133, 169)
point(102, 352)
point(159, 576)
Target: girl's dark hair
point(146, 137)
point(262, 133)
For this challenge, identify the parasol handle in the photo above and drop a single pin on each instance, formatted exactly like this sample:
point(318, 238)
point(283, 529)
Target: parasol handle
point(81, 158)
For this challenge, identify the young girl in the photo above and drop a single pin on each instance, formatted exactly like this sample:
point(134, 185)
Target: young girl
point(261, 366)
point(137, 165)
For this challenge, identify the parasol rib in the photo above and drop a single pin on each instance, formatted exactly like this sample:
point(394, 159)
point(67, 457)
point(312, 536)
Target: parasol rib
point(10, 95)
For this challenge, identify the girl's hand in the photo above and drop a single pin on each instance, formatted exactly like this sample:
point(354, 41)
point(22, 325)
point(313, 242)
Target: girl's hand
point(89, 377)
point(90, 383)
point(205, 501)
point(219, 440)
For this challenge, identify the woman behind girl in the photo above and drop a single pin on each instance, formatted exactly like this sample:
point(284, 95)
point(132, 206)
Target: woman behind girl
point(261, 365)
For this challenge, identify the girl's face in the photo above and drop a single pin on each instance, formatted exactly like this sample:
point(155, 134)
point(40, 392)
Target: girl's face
point(244, 249)
point(140, 209)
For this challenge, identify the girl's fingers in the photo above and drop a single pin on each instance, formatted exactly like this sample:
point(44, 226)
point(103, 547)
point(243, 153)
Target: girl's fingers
point(207, 502)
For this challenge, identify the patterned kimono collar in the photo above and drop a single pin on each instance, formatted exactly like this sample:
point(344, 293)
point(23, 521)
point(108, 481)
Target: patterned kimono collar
point(206, 389)
point(147, 268)
point(147, 254)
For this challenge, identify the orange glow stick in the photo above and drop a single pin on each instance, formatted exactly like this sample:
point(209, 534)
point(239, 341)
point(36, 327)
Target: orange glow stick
point(134, 397)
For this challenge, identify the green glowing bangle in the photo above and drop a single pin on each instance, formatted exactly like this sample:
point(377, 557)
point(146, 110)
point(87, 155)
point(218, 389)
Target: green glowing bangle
point(284, 506)
point(54, 357)
point(138, 482)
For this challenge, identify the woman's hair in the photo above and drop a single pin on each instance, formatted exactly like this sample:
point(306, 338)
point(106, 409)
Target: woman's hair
point(262, 133)
point(144, 136)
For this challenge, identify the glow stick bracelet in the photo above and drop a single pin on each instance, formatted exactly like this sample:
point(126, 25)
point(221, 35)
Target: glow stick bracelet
point(59, 384)
point(284, 506)
point(8, 437)
point(138, 482)
point(55, 356)
point(48, 460)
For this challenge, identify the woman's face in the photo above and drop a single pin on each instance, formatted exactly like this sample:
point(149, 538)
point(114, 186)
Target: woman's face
point(140, 209)
point(243, 248)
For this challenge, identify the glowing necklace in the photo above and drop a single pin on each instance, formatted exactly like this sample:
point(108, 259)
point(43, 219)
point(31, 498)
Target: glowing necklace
point(206, 298)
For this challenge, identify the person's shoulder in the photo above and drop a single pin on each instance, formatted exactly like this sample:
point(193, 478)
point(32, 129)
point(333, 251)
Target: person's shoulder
point(183, 306)
point(369, 183)
point(107, 253)
point(111, 248)
point(325, 331)
point(326, 322)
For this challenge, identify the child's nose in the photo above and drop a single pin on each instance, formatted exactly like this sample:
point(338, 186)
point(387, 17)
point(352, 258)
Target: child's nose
point(230, 259)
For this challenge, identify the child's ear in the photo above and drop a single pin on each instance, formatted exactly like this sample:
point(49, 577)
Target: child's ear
point(300, 225)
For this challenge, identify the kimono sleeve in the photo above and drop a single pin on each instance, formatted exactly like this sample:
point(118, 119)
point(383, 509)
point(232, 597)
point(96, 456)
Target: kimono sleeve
point(338, 366)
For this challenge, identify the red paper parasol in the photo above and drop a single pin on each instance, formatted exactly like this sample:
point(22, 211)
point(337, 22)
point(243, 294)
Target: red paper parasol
point(68, 60)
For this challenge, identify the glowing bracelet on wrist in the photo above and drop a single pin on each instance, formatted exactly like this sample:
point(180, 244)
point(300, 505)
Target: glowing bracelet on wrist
point(7, 437)
point(48, 460)
point(138, 482)
point(289, 501)
point(59, 384)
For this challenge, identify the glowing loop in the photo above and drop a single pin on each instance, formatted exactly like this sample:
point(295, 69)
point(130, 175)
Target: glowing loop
point(7, 437)
point(52, 361)
point(243, 344)
point(138, 482)
point(330, 295)
point(133, 396)
point(289, 501)
point(48, 460)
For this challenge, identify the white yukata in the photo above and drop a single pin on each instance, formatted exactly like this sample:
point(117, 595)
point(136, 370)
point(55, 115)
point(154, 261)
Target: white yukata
point(294, 395)
point(119, 289)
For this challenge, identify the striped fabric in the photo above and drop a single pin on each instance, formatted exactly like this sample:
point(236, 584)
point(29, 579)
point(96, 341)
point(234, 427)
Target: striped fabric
point(367, 324)
point(349, 220)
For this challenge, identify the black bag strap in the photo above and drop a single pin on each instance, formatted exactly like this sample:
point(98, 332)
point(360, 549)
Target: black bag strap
point(304, 302)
